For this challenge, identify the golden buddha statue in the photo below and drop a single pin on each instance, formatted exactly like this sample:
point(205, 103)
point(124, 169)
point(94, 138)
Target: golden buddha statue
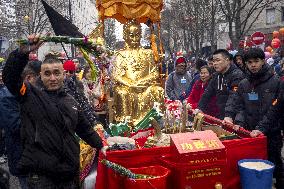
point(136, 78)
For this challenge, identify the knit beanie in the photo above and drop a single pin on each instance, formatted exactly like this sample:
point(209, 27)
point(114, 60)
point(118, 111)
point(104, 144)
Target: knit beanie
point(180, 60)
point(69, 65)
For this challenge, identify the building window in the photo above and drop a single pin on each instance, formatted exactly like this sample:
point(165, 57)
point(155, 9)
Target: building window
point(282, 14)
point(270, 16)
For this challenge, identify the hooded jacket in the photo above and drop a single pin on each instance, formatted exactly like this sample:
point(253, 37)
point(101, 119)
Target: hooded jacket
point(242, 56)
point(254, 96)
point(49, 121)
point(221, 86)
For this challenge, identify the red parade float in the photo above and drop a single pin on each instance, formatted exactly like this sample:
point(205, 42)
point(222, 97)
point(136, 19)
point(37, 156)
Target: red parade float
point(196, 159)
point(196, 169)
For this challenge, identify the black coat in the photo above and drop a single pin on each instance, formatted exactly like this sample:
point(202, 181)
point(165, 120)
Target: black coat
point(76, 89)
point(254, 96)
point(49, 121)
point(276, 112)
point(221, 86)
point(270, 124)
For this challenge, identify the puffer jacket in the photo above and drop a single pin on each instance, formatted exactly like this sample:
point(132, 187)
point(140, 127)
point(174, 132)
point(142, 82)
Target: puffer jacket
point(274, 113)
point(254, 96)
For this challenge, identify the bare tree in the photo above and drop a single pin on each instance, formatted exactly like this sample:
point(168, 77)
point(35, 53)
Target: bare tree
point(187, 25)
point(31, 17)
point(241, 15)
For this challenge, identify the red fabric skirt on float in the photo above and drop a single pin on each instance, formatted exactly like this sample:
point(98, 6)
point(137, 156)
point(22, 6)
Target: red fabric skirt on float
point(236, 150)
point(223, 170)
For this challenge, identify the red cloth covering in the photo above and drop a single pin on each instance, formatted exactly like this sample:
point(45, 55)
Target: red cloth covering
point(248, 148)
point(195, 95)
point(107, 179)
point(236, 150)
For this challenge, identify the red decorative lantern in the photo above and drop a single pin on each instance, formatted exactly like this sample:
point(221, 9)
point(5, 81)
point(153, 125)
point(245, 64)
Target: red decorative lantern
point(281, 31)
point(275, 34)
point(275, 43)
point(269, 49)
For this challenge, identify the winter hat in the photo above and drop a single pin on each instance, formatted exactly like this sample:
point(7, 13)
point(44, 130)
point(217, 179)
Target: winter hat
point(270, 61)
point(180, 60)
point(69, 65)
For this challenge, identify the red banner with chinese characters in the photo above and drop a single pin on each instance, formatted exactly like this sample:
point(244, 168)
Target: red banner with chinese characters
point(197, 141)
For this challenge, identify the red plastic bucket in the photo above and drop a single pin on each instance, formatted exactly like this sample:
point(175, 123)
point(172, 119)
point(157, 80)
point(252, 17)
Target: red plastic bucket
point(160, 182)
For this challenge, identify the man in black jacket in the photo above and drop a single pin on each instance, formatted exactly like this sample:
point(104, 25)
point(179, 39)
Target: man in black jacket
point(268, 127)
point(224, 82)
point(254, 96)
point(49, 120)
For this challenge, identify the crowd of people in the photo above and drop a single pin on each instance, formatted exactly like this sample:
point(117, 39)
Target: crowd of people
point(46, 105)
point(243, 89)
